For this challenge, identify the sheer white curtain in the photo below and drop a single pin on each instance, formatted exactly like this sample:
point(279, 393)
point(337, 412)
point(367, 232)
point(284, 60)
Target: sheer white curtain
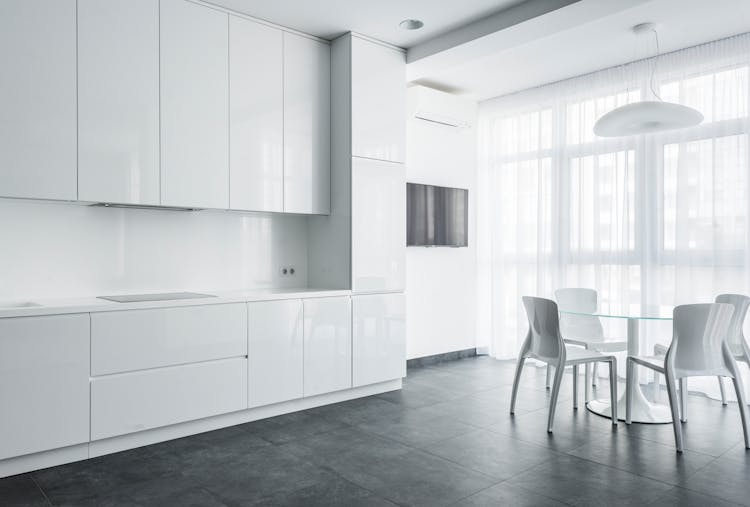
point(654, 219)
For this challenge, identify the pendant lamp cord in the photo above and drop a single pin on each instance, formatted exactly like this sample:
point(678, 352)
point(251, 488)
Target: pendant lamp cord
point(653, 68)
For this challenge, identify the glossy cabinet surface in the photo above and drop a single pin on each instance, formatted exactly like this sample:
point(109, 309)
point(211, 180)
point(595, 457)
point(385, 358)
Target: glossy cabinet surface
point(256, 116)
point(378, 226)
point(307, 125)
point(139, 339)
point(194, 105)
point(38, 99)
point(378, 101)
point(275, 351)
point(378, 338)
point(142, 400)
point(328, 345)
point(118, 101)
point(44, 383)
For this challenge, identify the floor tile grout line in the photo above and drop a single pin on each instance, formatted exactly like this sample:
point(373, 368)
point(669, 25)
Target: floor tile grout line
point(44, 493)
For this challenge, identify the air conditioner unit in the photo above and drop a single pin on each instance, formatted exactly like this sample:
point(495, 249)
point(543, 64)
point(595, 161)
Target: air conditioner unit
point(440, 107)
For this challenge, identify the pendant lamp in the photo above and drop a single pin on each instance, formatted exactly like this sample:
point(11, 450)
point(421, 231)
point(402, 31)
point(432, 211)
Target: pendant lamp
point(649, 115)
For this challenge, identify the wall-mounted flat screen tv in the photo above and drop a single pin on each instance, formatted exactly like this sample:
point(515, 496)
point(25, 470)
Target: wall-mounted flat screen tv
point(436, 216)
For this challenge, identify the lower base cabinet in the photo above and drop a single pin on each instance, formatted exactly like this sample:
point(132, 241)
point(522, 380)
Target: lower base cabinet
point(328, 345)
point(275, 351)
point(378, 338)
point(44, 383)
point(130, 402)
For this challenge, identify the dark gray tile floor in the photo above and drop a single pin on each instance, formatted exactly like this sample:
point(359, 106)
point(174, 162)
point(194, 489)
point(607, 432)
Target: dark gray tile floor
point(445, 439)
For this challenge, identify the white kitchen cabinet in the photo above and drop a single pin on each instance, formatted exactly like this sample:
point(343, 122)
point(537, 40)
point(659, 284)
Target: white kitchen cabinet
point(256, 116)
point(378, 338)
point(328, 345)
point(143, 400)
point(44, 383)
point(275, 351)
point(378, 226)
point(194, 105)
point(38, 99)
point(118, 101)
point(131, 340)
point(378, 101)
point(307, 125)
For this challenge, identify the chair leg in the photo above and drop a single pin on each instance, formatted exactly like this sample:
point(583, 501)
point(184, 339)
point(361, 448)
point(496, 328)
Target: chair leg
point(683, 399)
point(656, 387)
point(673, 402)
point(595, 378)
point(575, 387)
point(613, 389)
point(721, 389)
point(549, 375)
point(742, 404)
point(629, 379)
point(516, 380)
point(553, 398)
point(586, 380)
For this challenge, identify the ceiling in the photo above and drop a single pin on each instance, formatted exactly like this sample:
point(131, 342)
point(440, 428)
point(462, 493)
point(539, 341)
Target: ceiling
point(378, 19)
point(557, 46)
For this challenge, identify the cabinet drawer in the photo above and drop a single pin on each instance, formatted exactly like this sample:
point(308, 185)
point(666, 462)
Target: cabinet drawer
point(142, 400)
point(139, 339)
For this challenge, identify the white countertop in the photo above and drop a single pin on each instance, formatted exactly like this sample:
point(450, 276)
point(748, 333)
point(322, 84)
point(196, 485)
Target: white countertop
point(93, 304)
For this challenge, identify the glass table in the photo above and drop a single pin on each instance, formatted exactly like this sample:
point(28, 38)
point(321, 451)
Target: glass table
point(643, 411)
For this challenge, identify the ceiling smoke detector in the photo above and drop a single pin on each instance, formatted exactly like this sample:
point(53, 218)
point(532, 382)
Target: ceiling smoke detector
point(411, 24)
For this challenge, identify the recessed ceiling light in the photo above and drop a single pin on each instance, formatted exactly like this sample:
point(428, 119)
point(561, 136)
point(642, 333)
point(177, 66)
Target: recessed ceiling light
point(411, 24)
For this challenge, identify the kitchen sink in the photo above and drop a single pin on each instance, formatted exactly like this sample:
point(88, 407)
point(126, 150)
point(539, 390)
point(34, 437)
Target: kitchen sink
point(167, 296)
point(18, 304)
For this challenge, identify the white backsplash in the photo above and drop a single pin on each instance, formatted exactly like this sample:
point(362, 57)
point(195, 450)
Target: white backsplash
point(64, 250)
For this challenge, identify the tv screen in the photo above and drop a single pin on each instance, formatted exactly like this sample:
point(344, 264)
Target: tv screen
point(436, 216)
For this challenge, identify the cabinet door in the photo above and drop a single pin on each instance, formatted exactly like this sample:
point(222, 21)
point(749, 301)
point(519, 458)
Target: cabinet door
point(378, 226)
point(378, 101)
point(194, 105)
point(274, 351)
point(328, 345)
point(118, 101)
point(44, 383)
point(378, 338)
point(307, 125)
point(38, 99)
point(256, 115)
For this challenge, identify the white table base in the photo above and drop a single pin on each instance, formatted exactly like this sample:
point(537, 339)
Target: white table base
point(643, 411)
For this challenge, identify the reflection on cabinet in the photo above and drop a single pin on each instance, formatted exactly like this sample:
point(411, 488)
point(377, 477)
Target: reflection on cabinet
point(131, 340)
point(118, 101)
point(38, 94)
point(44, 383)
point(256, 116)
point(378, 101)
point(147, 399)
point(378, 338)
point(307, 123)
point(328, 345)
point(378, 226)
point(275, 351)
point(194, 106)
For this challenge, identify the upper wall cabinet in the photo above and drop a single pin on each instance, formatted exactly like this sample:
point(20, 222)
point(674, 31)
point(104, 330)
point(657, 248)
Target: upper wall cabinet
point(194, 105)
point(378, 101)
point(256, 116)
point(38, 94)
point(118, 101)
point(307, 125)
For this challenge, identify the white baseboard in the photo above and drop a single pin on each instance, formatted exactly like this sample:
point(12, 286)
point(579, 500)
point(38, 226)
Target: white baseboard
point(22, 464)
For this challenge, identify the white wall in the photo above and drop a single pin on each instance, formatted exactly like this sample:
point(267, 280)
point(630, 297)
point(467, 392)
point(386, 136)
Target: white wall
point(441, 282)
point(62, 250)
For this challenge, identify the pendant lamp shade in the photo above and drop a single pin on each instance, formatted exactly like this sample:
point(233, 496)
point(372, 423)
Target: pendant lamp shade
point(646, 117)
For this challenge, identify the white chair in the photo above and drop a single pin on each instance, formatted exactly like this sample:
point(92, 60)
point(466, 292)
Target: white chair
point(699, 348)
point(735, 341)
point(544, 343)
point(584, 330)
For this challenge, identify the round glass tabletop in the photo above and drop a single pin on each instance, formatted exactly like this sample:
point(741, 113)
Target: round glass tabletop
point(628, 311)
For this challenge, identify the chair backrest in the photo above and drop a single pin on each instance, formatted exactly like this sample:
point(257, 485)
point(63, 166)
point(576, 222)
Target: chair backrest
point(735, 334)
point(583, 327)
point(544, 340)
point(698, 339)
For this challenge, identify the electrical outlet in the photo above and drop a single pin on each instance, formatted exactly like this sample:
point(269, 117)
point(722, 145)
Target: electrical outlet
point(285, 271)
